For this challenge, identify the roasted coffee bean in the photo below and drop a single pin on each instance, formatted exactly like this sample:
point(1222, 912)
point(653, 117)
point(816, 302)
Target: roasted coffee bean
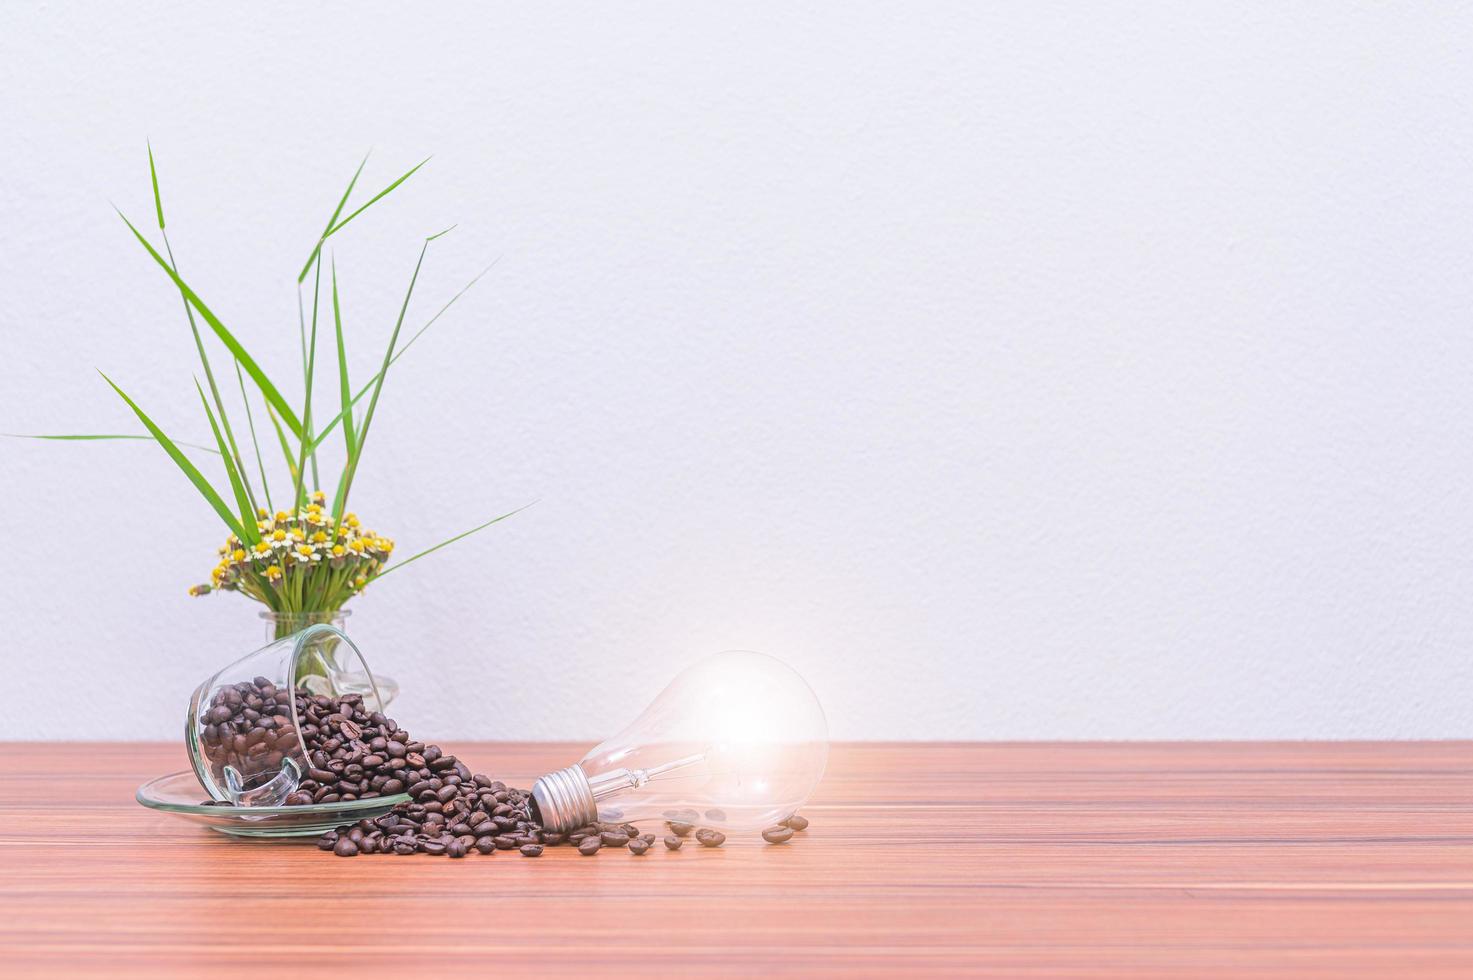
point(796, 822)
point(345, 848)
point(710, 838)
point(716, 815)
point(778, 835)
point(589, 845)
point(614, 838)
point(504, 843)
point(531, 850)
point(680, 829)
point(433, 847)
point(486, 845)
point(455, 849)
point(638, 846)
point(673, 842)
point(327, 841)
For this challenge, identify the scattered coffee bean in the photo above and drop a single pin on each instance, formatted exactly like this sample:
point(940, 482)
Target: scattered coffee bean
point(680, 829)
point(638, 846)
point(531, 850)
point(778, 835)
point(796, 822)
point(673, 842)
point(589, 845)
point(710, 838)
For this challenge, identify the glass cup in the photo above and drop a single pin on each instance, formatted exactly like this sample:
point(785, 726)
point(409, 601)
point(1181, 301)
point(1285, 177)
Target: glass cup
point(243, 734)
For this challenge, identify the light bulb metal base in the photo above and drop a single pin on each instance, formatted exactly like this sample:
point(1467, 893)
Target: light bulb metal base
point(564, 800)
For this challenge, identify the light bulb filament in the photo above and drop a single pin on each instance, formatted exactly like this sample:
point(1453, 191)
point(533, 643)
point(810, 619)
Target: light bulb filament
point(614, 781)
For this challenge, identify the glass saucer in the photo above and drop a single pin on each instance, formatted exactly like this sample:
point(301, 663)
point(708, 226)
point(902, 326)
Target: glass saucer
point(180, 794)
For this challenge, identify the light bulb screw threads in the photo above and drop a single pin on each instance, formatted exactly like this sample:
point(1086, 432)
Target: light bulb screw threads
point(564, 800)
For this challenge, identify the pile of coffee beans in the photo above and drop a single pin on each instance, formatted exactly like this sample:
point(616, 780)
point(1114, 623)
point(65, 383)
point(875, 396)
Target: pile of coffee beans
point(357, 754)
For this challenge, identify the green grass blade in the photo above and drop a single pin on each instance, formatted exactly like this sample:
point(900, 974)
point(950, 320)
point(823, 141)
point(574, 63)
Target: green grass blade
point(302, 333)
point(327, 429)
point(286, 450)
point(268, 390)
point(334, 229)
point(463, 534)
point(182, 461)
point(158, 202)
point(89, 437)
point(301, 490)
point(242, 501)
point(327, 229)
point(251, 421)
point(351, 469)
point(345, 391)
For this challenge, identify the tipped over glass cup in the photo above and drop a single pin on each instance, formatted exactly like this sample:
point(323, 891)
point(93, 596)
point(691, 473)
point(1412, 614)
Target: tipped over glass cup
point(243, 733)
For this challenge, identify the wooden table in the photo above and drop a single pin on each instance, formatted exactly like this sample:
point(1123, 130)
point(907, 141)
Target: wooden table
point(1208, 859)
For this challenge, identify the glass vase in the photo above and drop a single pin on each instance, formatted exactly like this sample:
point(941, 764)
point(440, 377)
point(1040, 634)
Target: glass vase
point(314, 672)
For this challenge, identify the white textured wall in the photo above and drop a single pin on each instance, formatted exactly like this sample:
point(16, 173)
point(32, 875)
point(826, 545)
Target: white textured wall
point(1015, 370)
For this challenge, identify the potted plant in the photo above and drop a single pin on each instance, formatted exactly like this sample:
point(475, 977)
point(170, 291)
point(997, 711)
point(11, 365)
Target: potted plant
point(291, 547)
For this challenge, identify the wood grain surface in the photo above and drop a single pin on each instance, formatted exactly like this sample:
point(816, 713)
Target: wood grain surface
point(1191, 860)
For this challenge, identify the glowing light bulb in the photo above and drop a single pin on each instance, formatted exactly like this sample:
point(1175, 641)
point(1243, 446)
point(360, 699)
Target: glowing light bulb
point(737, 741)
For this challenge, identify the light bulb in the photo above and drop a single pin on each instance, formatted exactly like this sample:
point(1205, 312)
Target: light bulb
point(737, 741)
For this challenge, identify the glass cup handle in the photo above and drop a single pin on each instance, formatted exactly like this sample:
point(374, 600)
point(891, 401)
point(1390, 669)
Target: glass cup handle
point(271, 793)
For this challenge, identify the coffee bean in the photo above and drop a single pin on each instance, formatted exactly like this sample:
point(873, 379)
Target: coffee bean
point(614, 838)
point(327, 841)
point(486, 845)
point(680, 829)
point(638, 846)
point(455, 849)
point(589, 845)
point(778, 835)
point(673, 842)
point(796, 822)
point(710, 838)
point(345, 848)
point(715, 814)
point(531, 850)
